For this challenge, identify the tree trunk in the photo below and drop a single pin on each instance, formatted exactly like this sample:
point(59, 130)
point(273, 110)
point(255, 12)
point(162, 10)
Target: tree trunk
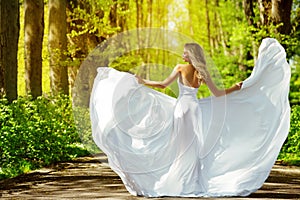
point(149, 24)
point(34, 32)
point(150, 14)
point(221, 34)
point(191, 27)
point(265, 7)
point(249, 12)
point(9, 36)
point(113, 16)
point(138, 22)
point(124, 6)
point(210, 42)
point(57, 47)
point(281, 13)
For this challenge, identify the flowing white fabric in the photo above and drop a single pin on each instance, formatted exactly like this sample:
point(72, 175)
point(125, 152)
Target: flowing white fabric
point(189, 147)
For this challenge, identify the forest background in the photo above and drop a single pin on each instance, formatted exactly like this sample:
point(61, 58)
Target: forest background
point(44, 43)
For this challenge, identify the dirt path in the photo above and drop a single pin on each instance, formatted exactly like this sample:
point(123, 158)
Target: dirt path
point(91, 178)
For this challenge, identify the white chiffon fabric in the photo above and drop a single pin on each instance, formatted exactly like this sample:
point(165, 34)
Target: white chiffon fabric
point(189, 147)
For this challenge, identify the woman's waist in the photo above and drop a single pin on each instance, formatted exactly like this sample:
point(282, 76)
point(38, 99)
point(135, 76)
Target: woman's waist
point(190, 96)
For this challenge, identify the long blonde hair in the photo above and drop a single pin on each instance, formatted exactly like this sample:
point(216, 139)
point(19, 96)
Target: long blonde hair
point(197, 59)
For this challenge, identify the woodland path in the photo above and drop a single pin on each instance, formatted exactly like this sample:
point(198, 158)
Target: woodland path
point(91, 178)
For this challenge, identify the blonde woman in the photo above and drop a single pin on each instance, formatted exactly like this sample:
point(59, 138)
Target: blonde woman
point(223, 145)
point(192, 74)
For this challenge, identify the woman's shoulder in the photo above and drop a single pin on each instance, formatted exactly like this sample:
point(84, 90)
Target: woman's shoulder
point(180, 67)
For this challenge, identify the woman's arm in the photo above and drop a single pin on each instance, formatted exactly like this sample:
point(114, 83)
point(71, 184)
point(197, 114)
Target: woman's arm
point(160, 84)
point(217, 92)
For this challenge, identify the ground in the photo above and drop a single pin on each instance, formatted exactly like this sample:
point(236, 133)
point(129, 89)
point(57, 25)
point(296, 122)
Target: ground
point(91, 178)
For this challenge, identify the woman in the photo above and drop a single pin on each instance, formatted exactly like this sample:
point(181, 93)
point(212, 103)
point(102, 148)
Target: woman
point(192, 74)
point(216, 146)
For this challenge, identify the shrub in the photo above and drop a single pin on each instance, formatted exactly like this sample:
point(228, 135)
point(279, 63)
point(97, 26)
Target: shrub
point(35, 133)
point(290, 152)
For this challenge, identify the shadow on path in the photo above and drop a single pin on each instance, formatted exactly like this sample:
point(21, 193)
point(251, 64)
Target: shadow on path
point(91, 178)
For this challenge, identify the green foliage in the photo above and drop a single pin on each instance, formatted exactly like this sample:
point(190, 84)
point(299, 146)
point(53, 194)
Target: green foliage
point(295, 82)
point(82, 121)
point(126, 62)
point(35, 133)
point(228, 67)
point(290, 152)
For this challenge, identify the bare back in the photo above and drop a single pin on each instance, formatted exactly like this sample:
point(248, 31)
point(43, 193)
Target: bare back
point(188, 75)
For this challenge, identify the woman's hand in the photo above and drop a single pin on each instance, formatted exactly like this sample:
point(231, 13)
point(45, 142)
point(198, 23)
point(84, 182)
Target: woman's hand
point(235, 87)
point(159, 84)
point(139, 79)
point(239, 85)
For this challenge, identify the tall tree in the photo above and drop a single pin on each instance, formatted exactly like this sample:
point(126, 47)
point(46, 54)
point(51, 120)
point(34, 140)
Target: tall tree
point(57, 46)
point(124, 6)
point(210, 42)
point(113, 14)
point(249, 11)
point(9, 35)
point(220, 38)
point(281, 13)
point(80, 40)
point(139, 17)
point(265, 7)
point(34, 32)
point(190, 12)
point(274, 12)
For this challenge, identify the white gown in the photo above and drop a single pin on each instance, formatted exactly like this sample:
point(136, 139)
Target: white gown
point(189, 147)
